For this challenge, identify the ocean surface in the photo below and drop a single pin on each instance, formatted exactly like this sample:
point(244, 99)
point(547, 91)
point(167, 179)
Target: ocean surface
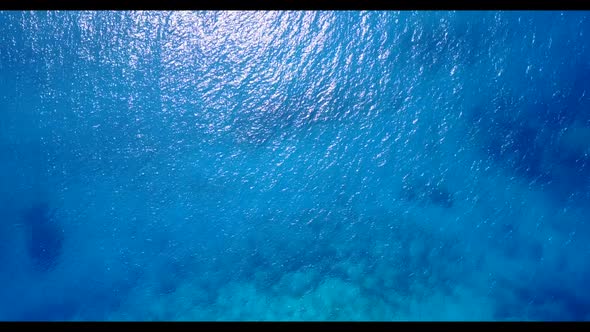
point(276, 166)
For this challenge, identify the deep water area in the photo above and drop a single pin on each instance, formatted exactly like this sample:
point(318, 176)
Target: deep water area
point(276, 165)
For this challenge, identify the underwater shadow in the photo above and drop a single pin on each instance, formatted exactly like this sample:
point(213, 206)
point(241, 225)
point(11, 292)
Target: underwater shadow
point(44, 238)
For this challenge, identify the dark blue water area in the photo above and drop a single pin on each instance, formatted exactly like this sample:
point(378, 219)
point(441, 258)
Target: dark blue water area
point(294, 166)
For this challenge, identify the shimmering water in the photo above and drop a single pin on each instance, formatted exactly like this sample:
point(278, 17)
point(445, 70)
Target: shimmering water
point(294, 165)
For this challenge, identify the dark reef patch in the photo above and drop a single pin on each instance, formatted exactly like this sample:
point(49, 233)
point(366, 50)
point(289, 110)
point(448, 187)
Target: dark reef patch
point(427, 193)
point(543, 141)
point(43, 235)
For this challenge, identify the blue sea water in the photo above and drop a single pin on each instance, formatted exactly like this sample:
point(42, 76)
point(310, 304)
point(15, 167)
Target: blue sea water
point(294, 165)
